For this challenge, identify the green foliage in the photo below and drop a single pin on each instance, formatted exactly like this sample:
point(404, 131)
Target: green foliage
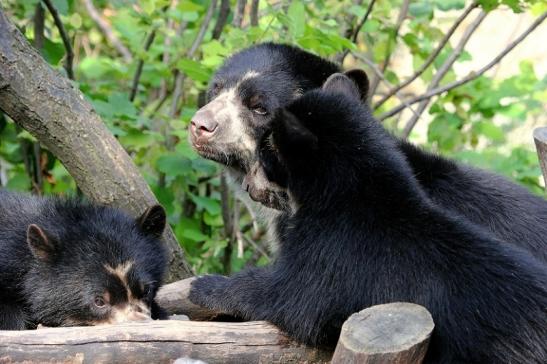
point(471, 123)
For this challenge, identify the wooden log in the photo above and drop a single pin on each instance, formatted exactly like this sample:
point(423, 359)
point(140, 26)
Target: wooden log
point(540, 137)
point(157, 342)
point(173, 297)
point(54, 111)
point(394, 333)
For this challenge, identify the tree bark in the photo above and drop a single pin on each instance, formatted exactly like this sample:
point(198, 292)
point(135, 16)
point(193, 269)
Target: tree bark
point(394, 333)
point(47, 105)
point(157, 342)
point(540, 136)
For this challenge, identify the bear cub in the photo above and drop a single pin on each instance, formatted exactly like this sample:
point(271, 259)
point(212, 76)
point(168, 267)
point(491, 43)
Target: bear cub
point(65, 262)
point(363, 232)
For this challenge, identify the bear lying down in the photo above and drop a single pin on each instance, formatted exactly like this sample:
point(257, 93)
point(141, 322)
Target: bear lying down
point(363, 232)
point(70, 263)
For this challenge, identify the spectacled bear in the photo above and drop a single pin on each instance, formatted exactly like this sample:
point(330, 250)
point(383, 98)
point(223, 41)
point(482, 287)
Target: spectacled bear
point(364, 232)
point(66, 262)
point(252, 84)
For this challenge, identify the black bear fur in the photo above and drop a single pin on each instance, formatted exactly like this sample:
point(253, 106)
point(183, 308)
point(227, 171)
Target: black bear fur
point(365, 232)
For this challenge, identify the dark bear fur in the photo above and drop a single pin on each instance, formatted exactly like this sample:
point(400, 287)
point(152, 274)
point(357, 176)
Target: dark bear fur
point(65, 262)
point(281, 73)
point(364, 232)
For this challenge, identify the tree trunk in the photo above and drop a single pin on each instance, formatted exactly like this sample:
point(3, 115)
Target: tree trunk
point(157, 342)
point(47, 105)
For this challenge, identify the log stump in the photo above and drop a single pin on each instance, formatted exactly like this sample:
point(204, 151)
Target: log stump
point(394, 333)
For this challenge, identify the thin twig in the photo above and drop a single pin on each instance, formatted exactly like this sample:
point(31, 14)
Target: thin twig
point(392, 40)
point(381, 76)
point(203, 28)
point(64, 36)
point(254, 13)
point(429, 59)
point(470, 77)
point(223, 14)
point(106, 29)
point(358, 28)
point(180, 77)
point(138, 72)
point(443, 70)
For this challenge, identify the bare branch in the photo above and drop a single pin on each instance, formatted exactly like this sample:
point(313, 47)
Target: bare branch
point(472, 76)
point(430, 59)
point(389, 49)
point(203, 28)
point(138, 72)
point(380, 76)
point(222, 18)
point(254, 13)
point(363, 21)
point(106, 29)
point(240, 11)
point(180, 77)
point(64, 36)
point(358, 28)
point(443, 70)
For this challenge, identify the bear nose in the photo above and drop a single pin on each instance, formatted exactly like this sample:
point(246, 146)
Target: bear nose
point(203, 123)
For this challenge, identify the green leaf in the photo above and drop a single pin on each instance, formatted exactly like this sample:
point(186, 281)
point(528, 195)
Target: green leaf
point(121, 105)
point(174, 165)
point(421, 9)
point(194, 70)
point(61, 6)
point(211, 205)
point(53, 52)
point(297, 19)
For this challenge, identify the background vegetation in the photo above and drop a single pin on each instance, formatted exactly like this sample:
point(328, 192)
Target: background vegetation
point(145, 64)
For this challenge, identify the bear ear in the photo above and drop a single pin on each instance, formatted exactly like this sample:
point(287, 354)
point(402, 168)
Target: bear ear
point(360, 78)
point(291, 137)
point(340, 83)
point(153, 221)
point(41, 246)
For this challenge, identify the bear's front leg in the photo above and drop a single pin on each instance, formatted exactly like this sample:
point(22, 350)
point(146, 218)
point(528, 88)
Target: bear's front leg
point(243, 295)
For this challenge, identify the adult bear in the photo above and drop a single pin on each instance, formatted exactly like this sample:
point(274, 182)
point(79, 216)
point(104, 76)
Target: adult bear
point(251, 84)
point(364, 232)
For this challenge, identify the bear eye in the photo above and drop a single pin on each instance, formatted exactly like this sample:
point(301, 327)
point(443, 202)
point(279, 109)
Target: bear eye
point(99, 301)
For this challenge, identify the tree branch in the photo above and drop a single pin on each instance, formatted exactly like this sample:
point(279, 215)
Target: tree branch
point(358, 28)
point(381, 76)
point(472, 76)
point(430, 59)
point(254, 13)
point(389, 51)
point(48, 106)
point(240, 11)
point(221, 19)
point(140, 64)
point(106, 29)
point(443, 70)
point(64, 36)
point(179, 78)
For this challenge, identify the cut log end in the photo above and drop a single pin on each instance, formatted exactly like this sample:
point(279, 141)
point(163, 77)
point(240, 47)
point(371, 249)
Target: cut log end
point(390, 333)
